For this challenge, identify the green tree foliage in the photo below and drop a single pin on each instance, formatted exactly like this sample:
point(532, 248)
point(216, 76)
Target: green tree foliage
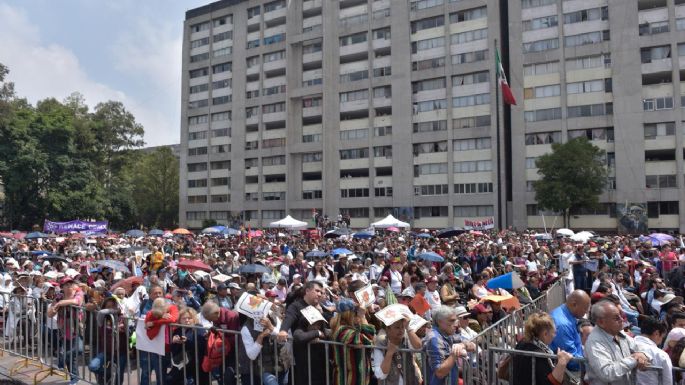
point(61, 161)
point(156, 188)
point(574, 174)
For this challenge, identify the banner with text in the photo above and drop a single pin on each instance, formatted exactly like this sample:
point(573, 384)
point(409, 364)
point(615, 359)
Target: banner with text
point(81, 226)
point(480, 224)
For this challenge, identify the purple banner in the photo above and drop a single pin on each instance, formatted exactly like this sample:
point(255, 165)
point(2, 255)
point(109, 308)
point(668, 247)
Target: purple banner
point(66, 227)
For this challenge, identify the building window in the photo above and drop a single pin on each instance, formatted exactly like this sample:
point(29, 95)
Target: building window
point(268, 40)
point(470, 100)
point(473, 188)
point(657, 209)
point(586, 38)
point(382, 192)
point(469, 14)
point(199, 57)
point(541, 68)
point(272, 143)
point(221, 100)
point(380, 72)
point(471, 122)
point(543, 138)
point(472, 78)
point(194, 183)
point(273, 108)
point(430, 212)
point(274, 6)
point(222, 36)
point(661, 181)
point(312, 194)
point(542, 91)
point(354, 76)
point(383, 152)
point(417, 5)
point(541, 45)
point(590, 110)
point(218, 215)
point(353, 39)
point(382, 131)
point(197, 151)
point(354, 153)
point(542, 115)
point(655, 104)
point(199, 42)
point(220, 165)
point(311, 138)
point(273, 196)
point(472, 166)
point(585, 62)
point(198, 73)
point(309, 157)
point(430, 105)
point(197, 135)
point(428, 85)
point(199, 27)
point(354, 96)
point(356, 212)
point(196, 215)
point(426, 44)
point(223, 67)
point(587, 15)
point(254, 11)
point(650, 54)
point(536, 3)
point(221, 84)
point(470, 57)
point(659, 129)
point(438, 62)
point(430, 169)
point(429, 148)
point(472, 144)
point(224, 20)
point(473, 211)
point(273, 214)
point(200, 119)
point(436, 125)
point(467, 36)
point(193, 199)
point(354, 193)
point(431, 22)
point(431, 189)
point(358, 134)
point(541, 23)
point(195, 167)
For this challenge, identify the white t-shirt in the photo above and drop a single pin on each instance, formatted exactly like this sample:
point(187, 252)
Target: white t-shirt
point(396, 282)
point(433, 299)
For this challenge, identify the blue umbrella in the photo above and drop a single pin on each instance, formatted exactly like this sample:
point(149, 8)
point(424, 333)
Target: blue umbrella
point(35, 235)
point(424, 235)
point(41, 253)
point(230, 231)
point(363, 235)
point(430, 256)
point(156, 232)
point(341, 250)
point(254, 269)
point(211, 230)
point(114, 265)
point(316, 254)
point(135, 233)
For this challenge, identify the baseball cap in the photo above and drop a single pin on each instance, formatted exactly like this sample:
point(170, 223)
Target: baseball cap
point(461, 311)
point(407, 293)
point(233, 285)
point(222, 286)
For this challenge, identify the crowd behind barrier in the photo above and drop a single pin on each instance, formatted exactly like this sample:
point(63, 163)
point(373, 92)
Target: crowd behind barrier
point(187, 310)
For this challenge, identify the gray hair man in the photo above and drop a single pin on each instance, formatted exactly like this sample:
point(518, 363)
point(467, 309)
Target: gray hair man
point(611, 355)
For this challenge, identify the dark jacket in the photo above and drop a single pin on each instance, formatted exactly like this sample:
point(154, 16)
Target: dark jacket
point(523, 366)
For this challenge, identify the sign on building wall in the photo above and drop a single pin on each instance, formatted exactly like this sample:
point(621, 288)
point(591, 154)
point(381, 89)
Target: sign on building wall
point(632, 218)
point(480, 224)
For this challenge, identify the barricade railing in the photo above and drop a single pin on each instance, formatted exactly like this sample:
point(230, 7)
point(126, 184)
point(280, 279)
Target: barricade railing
point(506, 332)
point(98, 347)
point(519, 372)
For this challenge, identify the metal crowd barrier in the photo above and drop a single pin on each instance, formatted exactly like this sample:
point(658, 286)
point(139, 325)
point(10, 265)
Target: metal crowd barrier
point(98, 349)
point(506, 332)
point(87, 347)
point(497, 356)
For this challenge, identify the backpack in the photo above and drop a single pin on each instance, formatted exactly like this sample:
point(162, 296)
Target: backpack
point(215, 352)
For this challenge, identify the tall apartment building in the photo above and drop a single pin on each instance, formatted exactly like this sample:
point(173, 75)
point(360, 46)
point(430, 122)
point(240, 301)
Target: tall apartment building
point(370, 107)
point(609, 70)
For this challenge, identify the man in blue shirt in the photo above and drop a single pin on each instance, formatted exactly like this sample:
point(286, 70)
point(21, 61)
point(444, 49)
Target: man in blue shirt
point(566, 319)
point(442, 350)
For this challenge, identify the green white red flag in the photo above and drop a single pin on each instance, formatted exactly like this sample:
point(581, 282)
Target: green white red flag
point(507, 95)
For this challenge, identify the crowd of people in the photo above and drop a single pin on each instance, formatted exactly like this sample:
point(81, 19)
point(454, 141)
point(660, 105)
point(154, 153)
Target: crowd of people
point(345, 310)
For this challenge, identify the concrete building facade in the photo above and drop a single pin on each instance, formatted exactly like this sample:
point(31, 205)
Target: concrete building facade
point(370, 107)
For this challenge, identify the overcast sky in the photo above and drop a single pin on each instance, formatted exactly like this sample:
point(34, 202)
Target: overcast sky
point(126, 50)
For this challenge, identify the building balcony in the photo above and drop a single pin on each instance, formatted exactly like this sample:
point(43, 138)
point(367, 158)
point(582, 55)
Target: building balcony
point(355, 105)
point(274, 117)
point(658, 65)
point(308, 112)
point(275, 17)
point(311, 7)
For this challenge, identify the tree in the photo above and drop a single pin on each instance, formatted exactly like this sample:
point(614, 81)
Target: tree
point(574, 174)
point(156, 188)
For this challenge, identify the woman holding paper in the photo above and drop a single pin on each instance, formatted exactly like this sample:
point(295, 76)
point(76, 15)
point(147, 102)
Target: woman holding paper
point(391, 366)
point(350, 327)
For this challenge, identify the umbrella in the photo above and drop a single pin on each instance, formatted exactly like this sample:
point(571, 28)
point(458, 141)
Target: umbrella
point(424, 235)
point(393, 229)
point(543, 237)
point(127, 283)
point(450, 232)
point(36, 235)
point(182, 231)
point(41, 253)
point(254, 269)
point(55, 258)
point(565, 232)
point(19, 235)
point(509, 281)
point(430, 256)
point(230, 231)
point(193, 264)
point(212, 230)
point(337, 233)
point(660, 239)
point(156, 232)
point(582, 236)
point(341, 250)
point(316, 254)
point(114, 265)
point(363, 235)
point(135, 233)
point(255, 233)
point(77, 236)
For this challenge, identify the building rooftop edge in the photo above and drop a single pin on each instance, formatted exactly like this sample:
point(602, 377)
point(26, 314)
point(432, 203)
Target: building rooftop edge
point(211, 7)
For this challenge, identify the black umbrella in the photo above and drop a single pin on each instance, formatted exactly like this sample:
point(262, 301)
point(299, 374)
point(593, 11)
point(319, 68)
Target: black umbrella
point(450, 232)
point(253, 269)
point(337, 233)
point(54, 258)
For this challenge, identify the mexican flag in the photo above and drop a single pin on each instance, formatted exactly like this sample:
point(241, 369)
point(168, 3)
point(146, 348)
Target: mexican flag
point(507, 96)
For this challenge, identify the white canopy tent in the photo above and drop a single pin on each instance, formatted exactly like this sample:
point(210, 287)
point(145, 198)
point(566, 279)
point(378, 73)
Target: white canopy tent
point(390, 221)
point(288, 223)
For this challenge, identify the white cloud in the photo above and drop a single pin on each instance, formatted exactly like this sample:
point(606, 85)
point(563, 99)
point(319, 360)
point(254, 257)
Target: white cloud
point(40, 69)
